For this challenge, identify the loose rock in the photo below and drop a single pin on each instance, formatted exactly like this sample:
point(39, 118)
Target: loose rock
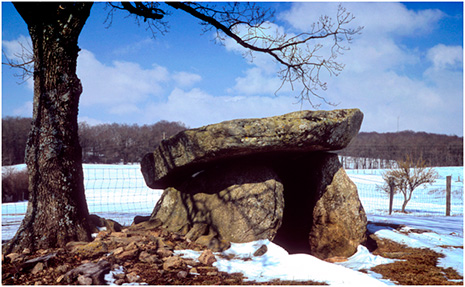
point(207, 257)
point(39, 267)
point(95, 271)
point(83, 280)
point(173, 262)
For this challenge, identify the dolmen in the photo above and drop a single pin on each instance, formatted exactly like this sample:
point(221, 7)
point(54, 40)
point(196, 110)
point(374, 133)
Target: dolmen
point(274, 178)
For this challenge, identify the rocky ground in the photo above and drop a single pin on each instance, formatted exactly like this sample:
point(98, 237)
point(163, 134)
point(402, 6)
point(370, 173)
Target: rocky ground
point(144, 254)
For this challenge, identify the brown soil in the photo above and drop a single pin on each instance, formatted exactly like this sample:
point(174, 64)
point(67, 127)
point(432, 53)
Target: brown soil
point(416, 267)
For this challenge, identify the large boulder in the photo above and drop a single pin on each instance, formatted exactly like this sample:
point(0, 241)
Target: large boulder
point(235, 202)
point(272, 178)
point(190, 150)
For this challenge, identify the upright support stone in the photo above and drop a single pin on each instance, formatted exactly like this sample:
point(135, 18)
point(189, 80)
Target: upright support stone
point(323, 214)
point(238, 201)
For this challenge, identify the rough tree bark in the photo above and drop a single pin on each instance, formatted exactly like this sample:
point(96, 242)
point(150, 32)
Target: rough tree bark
point(57, 210)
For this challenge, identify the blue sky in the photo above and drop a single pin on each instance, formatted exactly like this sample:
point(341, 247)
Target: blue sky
point(405, 71)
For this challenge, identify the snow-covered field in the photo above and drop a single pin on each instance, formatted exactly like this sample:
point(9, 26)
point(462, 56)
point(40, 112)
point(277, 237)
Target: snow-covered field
point(426, 200)
point(119, 192)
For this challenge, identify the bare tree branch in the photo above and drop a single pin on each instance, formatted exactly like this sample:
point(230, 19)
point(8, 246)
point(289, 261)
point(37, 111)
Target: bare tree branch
point(303, 57)
point(247, 24)
point(408, 176)
point(148, 11)
point(23, 60)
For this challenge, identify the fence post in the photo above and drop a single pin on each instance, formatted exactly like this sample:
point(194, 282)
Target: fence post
point(448, 190)
point(391, 194)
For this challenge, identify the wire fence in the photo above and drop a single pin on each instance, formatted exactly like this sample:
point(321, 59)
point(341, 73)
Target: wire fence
point(112, 192)
point(120, 193)
point(427, 200)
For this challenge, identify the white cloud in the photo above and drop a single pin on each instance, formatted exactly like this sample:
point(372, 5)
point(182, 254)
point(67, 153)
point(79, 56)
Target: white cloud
point(134, 47)
point(375, 78)
point(18, 51)
point(378, 18)
point(196, 107)
point(17, 46)
point(119, 83)
point(257, 82)
point(185, 79)
point(446, 57)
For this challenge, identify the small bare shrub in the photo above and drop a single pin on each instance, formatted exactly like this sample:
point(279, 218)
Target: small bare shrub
point(14, 185)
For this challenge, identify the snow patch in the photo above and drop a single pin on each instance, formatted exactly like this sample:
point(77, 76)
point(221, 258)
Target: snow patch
point(277, 263)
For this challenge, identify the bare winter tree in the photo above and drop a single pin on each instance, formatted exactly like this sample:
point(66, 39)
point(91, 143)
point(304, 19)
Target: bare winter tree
point(408, 176)
point(57, 211)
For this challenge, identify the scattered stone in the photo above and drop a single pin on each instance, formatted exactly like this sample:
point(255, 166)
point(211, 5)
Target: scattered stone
point(206, 269)
point(261, 251)
point(128, 255)
point(207, 257)
point(92, 249)
point(144, 256)
point(102, 235)
point(173, 262)
point(44, 258)
point(182, 274)
point(95, 271)
point(119, 234)
point(71, 245)
point(60, 278)
point(113, 226)
point(163, 252)
point(62, 268)
point(96, 220)
point(83, 280)
point(138, 219)
point(26, 251)
point(119, 275)
point(15, 257)
point(132, 277)
point(39, 267)
point(132, 245)
point(146, 225)
point(118, 251)
point(191, 262)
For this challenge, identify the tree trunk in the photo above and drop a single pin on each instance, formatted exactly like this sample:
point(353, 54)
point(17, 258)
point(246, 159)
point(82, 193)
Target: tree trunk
point(404, 204)
point(57, 210)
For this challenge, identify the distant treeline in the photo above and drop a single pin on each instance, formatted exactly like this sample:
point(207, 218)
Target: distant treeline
point(105, 143)
point(436, 149)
